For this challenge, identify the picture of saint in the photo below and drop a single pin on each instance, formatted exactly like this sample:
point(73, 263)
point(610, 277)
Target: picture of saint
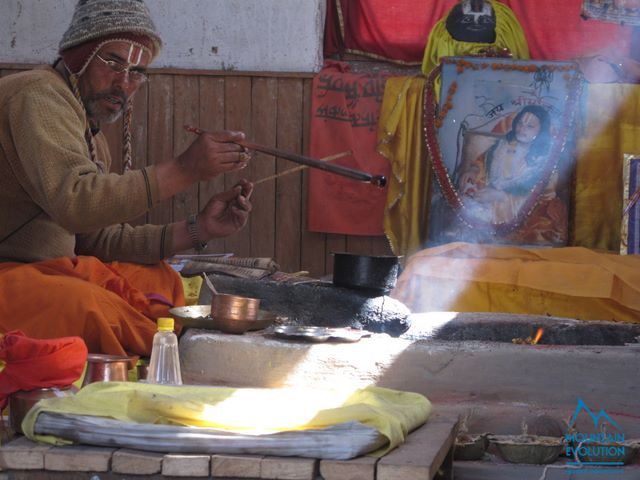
point(502, 148)
point(496, 178)
point(495, 185)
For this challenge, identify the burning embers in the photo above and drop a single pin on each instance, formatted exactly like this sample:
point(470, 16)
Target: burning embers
point(529, 340)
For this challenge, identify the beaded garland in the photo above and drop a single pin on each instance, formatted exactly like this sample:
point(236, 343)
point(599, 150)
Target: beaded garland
point(434, 120)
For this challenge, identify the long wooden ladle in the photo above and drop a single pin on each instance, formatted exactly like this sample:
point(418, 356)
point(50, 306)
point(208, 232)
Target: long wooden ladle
point(377, 180)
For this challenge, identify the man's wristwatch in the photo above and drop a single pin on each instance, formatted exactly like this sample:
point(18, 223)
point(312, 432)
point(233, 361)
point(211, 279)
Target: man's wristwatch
point(192, 228)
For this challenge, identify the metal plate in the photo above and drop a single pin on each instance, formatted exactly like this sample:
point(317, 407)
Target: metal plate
point(191, 312)
point(318, 334)
point(348, 334)
point(199, 316)
point(299, 332)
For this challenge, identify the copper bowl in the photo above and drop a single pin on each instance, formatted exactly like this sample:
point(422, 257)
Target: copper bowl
point(234, 314)
point(20, 402)
point(106, 368)
point(229, 325)
point(234, 307)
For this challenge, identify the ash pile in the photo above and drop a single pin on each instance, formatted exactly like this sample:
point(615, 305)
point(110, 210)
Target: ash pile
point(319, 304)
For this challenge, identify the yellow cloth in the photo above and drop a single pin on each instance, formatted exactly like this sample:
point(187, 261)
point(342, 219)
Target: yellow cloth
point(572, 282)
point(249, 411)
point(400, 139)
point(191, 287)
point(509, 34)
point(612, 128)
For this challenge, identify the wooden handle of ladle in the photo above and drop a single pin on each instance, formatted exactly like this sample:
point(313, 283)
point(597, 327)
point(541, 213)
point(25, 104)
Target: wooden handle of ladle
point(301, 167)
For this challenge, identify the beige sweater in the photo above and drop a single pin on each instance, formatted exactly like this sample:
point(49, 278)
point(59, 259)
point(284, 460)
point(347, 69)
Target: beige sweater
point(53, 200)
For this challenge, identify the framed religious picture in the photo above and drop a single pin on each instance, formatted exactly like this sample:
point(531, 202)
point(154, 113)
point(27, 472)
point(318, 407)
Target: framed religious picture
point(501, 143)
point(630, 230)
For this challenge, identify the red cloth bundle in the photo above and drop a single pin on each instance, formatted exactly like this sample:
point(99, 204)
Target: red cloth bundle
point(32, 363)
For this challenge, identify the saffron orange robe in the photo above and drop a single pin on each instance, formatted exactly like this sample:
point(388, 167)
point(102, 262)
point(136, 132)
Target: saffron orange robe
point(112, 306)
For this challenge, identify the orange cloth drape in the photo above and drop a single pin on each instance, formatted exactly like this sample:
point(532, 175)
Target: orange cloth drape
point(572, 282)
point(32, 363)
point(345, 108)
point(111, 306)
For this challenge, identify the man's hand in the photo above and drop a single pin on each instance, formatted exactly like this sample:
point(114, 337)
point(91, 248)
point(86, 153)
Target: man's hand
point(226, 212)
point(208, 156)
point(214, 153)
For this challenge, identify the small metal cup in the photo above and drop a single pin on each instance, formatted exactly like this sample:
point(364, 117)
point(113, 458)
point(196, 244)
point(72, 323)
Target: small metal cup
point(20, 402)
point(106, 368)
point(234, 307)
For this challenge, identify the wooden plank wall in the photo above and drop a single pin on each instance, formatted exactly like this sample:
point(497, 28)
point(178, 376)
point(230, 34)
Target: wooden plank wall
point(273, 110)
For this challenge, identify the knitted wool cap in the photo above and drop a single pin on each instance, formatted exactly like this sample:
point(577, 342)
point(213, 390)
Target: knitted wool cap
point(98, 18)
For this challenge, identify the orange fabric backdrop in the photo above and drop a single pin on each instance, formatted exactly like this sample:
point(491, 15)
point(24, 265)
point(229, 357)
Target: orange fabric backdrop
point(345, 108)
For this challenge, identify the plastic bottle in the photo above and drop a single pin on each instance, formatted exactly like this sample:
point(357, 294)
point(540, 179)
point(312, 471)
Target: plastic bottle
point(164, 366)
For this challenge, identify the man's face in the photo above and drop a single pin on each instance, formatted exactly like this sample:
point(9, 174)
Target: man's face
point(112, 77)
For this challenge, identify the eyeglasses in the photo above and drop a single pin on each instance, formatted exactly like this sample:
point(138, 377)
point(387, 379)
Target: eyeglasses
point(134, 75)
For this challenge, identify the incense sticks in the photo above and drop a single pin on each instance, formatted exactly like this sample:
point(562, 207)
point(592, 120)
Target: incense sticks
point(302, 167)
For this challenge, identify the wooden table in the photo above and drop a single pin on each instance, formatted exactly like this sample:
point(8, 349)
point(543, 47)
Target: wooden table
point(427, 454)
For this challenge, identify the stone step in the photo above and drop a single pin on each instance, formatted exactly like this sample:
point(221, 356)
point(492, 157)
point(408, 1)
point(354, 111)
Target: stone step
point(426, 451)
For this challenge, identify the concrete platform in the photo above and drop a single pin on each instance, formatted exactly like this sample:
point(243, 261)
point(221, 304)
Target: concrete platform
point(502, 382)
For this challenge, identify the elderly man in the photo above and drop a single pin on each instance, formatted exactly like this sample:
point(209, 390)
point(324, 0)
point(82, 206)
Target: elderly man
point(70, 264)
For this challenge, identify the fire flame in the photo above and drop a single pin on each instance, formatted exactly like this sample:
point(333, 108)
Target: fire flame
point(537, 336)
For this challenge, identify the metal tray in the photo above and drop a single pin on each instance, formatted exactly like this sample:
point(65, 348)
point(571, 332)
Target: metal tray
point(299, 332)
point(199, 316)
point(318, 334)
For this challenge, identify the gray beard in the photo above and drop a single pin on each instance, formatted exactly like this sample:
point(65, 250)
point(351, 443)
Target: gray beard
point(96, 117)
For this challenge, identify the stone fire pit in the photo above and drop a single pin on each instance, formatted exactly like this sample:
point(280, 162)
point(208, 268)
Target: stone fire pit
point(462, 362)
point(319, 304)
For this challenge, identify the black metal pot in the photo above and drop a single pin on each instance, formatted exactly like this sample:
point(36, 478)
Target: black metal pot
point(373, 273)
